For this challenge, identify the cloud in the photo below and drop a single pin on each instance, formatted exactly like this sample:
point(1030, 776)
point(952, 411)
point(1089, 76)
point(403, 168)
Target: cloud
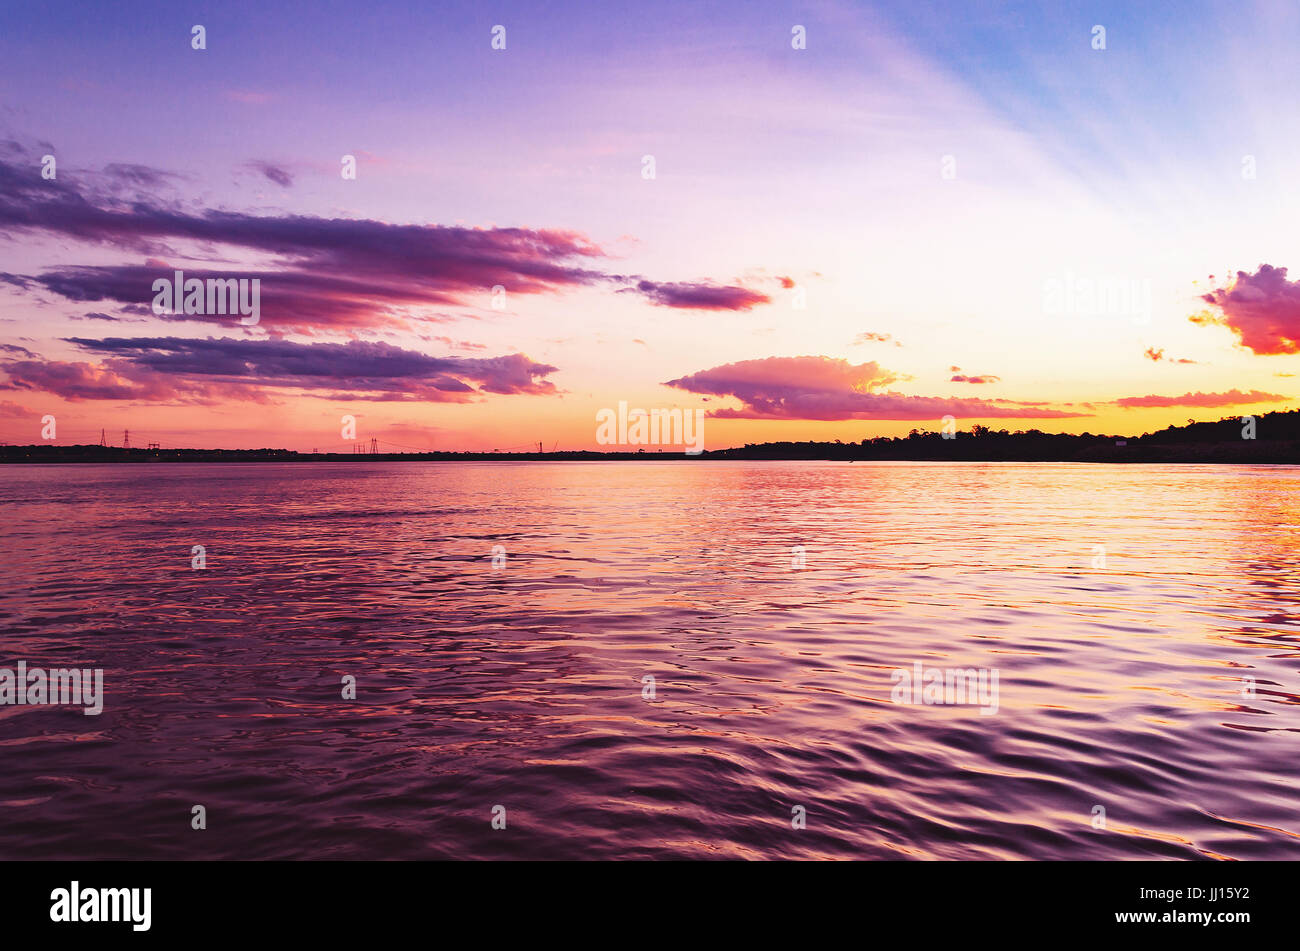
point(984, 378)
point(272, 172)
point(1157, 354)
point(184, 370)
point(76, 382)
point(139, 175)
point(1262, 309)
point(333, 266)
point(291, 300)
point(822, 388)
point(359, 365)
point(689, 295)
point(95, 315)
point(872, 337)
point(317, 273)
point(1230, 398)
point(455, 344)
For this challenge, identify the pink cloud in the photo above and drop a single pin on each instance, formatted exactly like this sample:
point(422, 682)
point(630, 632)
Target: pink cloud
point(1230, 398)
point(1157, 354)
point(110, 380)
point(1262, 309)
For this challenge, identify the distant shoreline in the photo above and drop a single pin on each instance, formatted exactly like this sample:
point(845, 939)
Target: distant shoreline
point(1270, 439)
point(1287, 453)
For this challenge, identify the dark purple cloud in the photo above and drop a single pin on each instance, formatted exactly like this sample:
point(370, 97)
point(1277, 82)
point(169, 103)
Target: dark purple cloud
point(95, 315)
point(273, 172)
point(982, 378)
point(822, 388)
point(331, 273)
point(173, 368)
point(334, 259)
point(293, 300)
point(687, 295)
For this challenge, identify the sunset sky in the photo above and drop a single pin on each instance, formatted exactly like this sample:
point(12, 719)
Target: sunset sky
point(898, 222)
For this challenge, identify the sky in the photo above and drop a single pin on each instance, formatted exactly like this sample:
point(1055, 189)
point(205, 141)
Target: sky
point(818, 220)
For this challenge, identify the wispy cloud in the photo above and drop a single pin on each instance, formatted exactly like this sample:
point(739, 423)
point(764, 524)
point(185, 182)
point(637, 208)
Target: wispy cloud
point(1157, 354)
point(272, 172)
point(872, 337)
point(144, 176)
point(1230, 398)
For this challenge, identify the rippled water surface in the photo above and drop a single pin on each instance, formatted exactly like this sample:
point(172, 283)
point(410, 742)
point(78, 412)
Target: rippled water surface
point(1155, 677)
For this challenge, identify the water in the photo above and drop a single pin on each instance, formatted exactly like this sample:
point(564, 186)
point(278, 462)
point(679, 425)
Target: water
point(522, 686)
